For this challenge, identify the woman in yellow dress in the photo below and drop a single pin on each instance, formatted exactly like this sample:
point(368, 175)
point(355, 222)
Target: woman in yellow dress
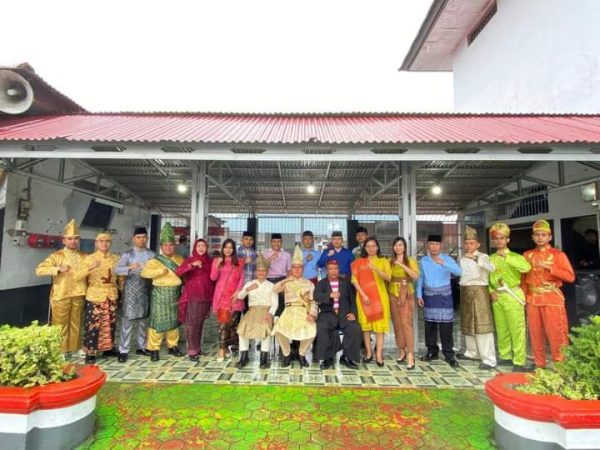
point(370, 273)
point(405, 271)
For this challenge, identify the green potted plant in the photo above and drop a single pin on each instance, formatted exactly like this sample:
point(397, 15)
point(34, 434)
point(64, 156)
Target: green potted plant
point(552, 408)
point(44, 401)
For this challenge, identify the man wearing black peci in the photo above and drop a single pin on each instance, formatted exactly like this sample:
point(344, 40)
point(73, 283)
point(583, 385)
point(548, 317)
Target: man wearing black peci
point(337, 310)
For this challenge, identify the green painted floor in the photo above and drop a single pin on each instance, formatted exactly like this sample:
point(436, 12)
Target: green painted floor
point(188, 416)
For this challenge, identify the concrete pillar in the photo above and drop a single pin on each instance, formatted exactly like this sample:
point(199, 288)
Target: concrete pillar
point(408, 206)
point(199, 213)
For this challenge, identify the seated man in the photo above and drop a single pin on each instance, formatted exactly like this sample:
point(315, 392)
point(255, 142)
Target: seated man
point(257, 323)
point(297, 322)
point(337, 310)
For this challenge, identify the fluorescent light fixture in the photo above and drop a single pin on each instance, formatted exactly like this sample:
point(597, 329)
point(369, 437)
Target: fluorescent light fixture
point(182, 188)
point(311, 189)
point(436, 189)
point(112, 203)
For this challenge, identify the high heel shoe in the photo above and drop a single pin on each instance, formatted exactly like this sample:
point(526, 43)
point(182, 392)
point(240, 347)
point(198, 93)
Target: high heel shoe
point(411, 367)
point(401, 360)
point(368, 360)
point(380, 363)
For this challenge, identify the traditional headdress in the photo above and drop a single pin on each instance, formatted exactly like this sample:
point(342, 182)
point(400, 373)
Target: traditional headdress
point(262, 262)
point(104, 236)
point(500, 228)
point(470, 234)
point(434, 238)
point(167, 235)
point(71, 229)
point(297, 257)
point(542, 225)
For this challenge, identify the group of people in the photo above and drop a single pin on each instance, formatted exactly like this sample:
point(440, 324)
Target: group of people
point(258, 295)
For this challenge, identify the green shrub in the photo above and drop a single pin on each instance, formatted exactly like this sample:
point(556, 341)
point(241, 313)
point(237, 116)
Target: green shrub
point(578, 376)
point(31, 356)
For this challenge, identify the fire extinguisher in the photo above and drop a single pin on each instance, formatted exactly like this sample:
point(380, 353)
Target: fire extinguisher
point(37, 241)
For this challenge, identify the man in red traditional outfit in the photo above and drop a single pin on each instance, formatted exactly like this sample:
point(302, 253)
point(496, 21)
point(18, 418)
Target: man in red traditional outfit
point(546, 313)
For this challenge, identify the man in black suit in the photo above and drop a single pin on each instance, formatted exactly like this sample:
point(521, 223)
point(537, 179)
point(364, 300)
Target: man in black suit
point(337, 310)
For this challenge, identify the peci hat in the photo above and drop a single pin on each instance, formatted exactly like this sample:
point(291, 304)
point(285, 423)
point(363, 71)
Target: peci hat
point(247, 234)
point(308, 233)
point(361, 230)
point(434, 238)
point(276, 236)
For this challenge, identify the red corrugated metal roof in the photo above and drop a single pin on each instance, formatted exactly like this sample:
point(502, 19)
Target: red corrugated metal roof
point(343, 128)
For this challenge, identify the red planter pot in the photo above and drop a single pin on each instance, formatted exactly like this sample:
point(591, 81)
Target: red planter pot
point(58, 415)
point(528, 421)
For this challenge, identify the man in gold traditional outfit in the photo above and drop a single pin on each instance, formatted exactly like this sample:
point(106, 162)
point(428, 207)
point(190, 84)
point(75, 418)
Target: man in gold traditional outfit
point(298, 320)
point(68, 287)
point(100, 299)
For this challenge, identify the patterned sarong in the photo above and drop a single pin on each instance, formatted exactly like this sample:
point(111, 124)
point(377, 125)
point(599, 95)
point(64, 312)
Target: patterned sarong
point(164, 308)
point(99, 326)
point(136, 296)
point(475, 310)
point(439, 306)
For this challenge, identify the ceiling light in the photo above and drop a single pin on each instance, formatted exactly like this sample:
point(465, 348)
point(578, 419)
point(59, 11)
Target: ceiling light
point(311, 189)
point(182, 188)
point(436, 189)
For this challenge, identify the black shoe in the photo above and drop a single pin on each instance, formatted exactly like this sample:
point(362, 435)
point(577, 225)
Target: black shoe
point(175, 351)
point(303, 362)
point(429, 357)
point(463, 356)
point(264, 360)
point(123, 357)
point(518, 368)
point(142, 352)
point(401, 360)
point(194, 358)
point(286, 361)
point(325, 364)
point(368, 360)
point(90, 359)
point(409, 367)
point(348, 363)
point(484, 366)
point(243, 362)
point(154, 355)
point(505, 362)
point(452, 362)
point(111, 352)
point(380, 363)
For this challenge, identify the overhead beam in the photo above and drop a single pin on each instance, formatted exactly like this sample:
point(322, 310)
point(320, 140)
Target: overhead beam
point(323, 185)
point(540, 181)
point(591, 165)
point(30, 163)
point(227, 191)
point(282, 187)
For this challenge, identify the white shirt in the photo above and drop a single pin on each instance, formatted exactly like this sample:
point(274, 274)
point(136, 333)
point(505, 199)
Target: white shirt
point(263, 295)
point(476, 273)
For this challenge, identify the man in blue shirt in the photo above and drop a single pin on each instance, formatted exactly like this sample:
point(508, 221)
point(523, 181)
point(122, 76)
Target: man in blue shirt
point(247, 251)
point(311, 257)
point(434, 294)
point(337, 251)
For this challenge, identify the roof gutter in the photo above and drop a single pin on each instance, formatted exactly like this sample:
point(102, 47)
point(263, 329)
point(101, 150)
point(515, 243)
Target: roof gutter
point(436, 9)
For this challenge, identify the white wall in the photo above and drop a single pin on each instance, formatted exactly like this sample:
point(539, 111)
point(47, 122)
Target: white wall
point(48, 215)
point(533, 56)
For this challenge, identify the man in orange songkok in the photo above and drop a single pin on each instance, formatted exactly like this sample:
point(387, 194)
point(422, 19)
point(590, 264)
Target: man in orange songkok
point(546, 313)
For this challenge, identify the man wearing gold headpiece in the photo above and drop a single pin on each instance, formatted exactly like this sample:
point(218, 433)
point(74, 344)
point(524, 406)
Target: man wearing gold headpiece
point(476, 320)
point(257, 323)
point(546, 313)
point(508, 300)
point(101, 297)
point(166, 288)
point(298, 320)
point(68, 287)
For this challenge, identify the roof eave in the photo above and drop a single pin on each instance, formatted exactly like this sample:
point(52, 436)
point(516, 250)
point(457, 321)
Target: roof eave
point(436, 9)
